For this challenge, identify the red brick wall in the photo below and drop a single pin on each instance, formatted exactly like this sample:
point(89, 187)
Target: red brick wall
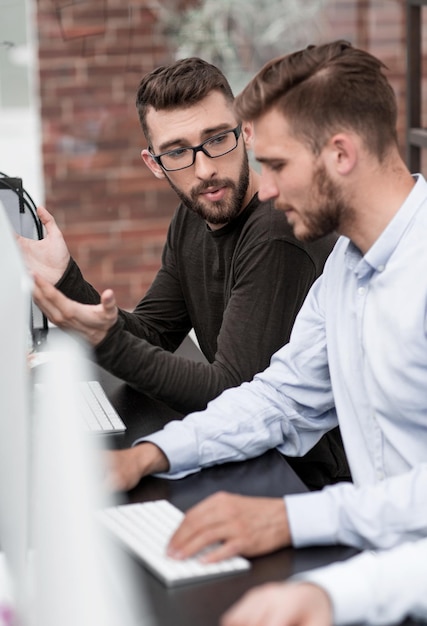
point(92, 54)
point(113, 211)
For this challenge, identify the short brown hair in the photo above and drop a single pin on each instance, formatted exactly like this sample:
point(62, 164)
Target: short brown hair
point(324, 89)
point(181, 84)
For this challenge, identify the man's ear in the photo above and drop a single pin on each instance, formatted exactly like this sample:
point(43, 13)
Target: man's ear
point(151, 164)
point(248, 134)
point(341, 153)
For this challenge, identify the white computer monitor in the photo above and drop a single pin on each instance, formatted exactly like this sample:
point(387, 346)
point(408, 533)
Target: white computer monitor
point(22, 215)
point(62, 569)
point(15, 339)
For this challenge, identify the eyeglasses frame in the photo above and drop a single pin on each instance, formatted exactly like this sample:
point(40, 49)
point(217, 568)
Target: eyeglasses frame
point(200, 148)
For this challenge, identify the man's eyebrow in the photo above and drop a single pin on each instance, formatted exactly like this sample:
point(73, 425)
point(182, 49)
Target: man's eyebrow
point(269, 160)
point(184, 143)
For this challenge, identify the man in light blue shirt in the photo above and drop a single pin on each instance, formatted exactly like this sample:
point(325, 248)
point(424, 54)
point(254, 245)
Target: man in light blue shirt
point(324, 131)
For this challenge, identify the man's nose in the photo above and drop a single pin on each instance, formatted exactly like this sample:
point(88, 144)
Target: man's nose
point(205, 166)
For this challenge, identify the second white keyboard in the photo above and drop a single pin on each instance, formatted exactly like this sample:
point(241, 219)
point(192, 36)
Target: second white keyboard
point(97, 412)
point(145, 530)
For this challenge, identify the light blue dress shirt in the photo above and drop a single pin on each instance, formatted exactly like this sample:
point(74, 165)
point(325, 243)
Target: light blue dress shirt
point(377, 588)
point(357, 355)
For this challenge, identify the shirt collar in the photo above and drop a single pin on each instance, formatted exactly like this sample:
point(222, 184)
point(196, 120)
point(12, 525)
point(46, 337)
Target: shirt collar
point(376, 258)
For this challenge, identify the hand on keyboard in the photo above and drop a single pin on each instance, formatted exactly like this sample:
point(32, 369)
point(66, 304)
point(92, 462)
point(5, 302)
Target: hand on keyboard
point(145, 530)
point(239, 524)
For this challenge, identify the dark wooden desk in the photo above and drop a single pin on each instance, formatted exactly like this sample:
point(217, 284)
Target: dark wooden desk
point(202, 604)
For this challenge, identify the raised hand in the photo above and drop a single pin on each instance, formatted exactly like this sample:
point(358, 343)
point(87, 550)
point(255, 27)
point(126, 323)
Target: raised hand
point(49, 257)
point(91, 321)
point(243, 525)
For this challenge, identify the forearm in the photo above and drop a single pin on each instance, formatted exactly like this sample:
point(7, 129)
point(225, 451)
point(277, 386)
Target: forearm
point(236, 426)
point(182, 383)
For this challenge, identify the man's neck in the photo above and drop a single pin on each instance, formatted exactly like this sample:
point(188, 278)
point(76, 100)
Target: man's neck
point(375, 200)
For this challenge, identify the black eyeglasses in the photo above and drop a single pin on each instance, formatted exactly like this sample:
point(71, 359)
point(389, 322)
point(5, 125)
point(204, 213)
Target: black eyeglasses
point(214, 147)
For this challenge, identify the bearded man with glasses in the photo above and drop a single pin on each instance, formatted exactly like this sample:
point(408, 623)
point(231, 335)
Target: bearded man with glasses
point(231, 267)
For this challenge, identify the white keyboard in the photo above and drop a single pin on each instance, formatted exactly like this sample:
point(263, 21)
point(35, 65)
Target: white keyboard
point(145, 530)
point(97, 412)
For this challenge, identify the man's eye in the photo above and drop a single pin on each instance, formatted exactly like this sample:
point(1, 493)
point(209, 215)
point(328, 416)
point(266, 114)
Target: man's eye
point(218, 140)
point(276, 167)
point(177, 154)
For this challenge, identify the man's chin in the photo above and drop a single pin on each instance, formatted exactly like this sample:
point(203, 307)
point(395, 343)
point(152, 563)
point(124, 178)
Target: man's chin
point(215, 215)
point(300, 230)
point(302, 233)
point(215, 220)
point(292, 220)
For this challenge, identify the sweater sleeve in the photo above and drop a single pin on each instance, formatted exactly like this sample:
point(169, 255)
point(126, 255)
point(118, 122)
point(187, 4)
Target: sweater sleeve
point(74, 286)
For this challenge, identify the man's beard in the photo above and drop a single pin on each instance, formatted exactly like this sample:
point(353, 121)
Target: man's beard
point(330, 210)
point(224, 211)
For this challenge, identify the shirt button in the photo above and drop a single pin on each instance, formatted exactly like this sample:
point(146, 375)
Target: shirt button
point(380, 475)
point(381, 268)
point(361, 291)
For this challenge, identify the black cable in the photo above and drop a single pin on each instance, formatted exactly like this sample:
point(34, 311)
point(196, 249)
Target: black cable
point(27, 200)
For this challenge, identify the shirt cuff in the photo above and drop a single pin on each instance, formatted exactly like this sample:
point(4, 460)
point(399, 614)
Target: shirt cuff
point(312, 518)
point(180, 452)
